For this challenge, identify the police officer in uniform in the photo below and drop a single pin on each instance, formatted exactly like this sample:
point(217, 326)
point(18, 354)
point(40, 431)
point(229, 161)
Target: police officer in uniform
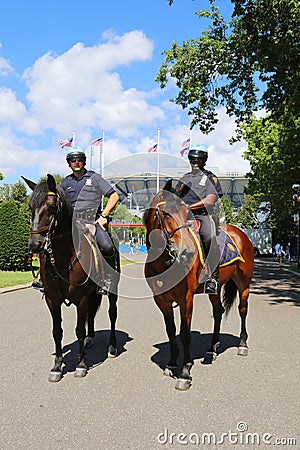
point(85, 189)
point(201, 198)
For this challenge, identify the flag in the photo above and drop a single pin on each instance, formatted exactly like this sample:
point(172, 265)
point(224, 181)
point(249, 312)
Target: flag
point(66, 143)
point(152, 149)
point(97, 142)
point(185, 147)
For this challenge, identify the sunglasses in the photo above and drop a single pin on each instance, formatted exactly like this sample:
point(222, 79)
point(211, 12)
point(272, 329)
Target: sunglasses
point(72, 160)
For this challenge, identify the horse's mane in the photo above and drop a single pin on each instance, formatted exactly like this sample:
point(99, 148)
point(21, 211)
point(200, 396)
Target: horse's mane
point(41, 191)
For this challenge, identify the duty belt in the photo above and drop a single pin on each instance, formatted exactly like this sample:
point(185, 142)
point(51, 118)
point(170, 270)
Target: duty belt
point(199, 212)
point(88, 214)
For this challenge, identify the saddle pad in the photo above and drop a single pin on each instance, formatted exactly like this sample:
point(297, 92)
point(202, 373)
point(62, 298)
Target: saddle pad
point(228, 248)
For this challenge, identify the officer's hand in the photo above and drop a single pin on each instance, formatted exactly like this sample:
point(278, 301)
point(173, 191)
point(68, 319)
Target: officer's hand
point(102, 221)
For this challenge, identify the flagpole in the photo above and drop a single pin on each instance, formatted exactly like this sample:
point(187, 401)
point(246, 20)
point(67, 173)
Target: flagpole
point(190, 138)
point(91, 162)
point(157, 160)
point(102, 153)
point(73, 138)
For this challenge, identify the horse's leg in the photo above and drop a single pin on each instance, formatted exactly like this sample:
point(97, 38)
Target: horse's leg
point(81, 368)
point(186, 310)
point(112, 311)
point(56, 372)
point(93, 306)
point(166, 308)
point(218, 311)
point(243, 309)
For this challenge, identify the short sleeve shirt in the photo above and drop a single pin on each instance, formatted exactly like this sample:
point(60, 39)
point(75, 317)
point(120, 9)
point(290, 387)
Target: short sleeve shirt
point(87, 191)
point(202, 183)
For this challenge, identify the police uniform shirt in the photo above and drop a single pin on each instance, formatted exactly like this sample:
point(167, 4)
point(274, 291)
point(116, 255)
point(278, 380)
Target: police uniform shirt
point(202, 183)
point(85, 193)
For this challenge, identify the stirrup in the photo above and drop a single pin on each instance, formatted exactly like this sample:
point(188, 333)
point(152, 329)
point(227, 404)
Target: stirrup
point(103, 287)
point(211, 286)
point(37, 285)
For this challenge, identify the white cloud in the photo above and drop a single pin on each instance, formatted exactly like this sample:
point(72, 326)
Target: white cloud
point(83, 89)
point(5, 67)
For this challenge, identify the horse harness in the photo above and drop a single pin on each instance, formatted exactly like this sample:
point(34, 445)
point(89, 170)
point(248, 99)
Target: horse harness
point(49, 232)
point(168, 236)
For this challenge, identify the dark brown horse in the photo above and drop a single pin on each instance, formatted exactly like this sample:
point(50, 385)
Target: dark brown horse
point(173, 269)
point(68, 273)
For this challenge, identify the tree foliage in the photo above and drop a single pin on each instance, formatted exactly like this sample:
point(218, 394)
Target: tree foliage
point(273, 152)
point(14, 234)
point(248, 63)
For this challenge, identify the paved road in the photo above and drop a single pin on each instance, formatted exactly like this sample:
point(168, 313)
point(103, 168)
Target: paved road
point(127, 403)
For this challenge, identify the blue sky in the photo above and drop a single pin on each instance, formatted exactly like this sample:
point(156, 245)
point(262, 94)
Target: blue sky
point(89, 66)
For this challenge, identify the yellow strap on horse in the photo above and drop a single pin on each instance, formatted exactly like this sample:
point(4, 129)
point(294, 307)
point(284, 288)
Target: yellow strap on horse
point(198, 246)
point(94, 252)
point(51, 193)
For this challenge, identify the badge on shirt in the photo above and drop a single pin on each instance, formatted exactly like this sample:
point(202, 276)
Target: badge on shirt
point(203, 180)
point(89, 182)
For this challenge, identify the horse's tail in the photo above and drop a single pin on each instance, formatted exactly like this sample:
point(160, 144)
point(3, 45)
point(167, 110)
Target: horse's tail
point(229, 295)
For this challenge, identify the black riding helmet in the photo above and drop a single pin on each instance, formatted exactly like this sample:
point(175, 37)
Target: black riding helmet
point(75, 152)
point(198, 151)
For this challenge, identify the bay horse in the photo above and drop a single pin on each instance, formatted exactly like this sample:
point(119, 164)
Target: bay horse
point(173, 268)
point(68, 274)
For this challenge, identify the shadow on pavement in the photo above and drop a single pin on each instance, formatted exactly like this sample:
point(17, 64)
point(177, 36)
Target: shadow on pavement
point(272, 280)
point(200, 343)
point(97, 354)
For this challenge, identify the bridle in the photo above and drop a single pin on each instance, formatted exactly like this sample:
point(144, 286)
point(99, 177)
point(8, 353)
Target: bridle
point(168, 235)
point(49, 232)
point(51, 226)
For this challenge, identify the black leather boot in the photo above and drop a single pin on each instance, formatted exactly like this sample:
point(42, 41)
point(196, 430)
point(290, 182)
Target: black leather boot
point(212, 284)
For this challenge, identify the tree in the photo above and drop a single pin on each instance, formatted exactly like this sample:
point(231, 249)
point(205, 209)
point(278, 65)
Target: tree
point(274, 158)
point(14, 234)
point(250, 62)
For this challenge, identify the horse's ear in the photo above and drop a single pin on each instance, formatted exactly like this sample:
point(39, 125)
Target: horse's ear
point(51, 182)
point(168, 185)
point(29, 183)
point(184, 189)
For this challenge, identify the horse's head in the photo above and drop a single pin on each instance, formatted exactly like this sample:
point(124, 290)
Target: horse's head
point(167, 227)
point(46, 204)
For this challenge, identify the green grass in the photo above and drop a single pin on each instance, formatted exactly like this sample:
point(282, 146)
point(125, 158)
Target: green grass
point(8, 279)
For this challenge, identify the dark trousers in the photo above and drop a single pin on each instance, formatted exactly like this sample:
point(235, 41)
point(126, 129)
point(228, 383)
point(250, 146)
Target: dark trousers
point(208, 235)
point(104, 242)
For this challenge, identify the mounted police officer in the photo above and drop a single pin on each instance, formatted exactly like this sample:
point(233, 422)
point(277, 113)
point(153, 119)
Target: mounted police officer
point(205, 189)
point(85, 189)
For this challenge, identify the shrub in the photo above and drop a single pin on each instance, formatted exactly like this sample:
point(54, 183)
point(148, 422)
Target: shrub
point(14, 234)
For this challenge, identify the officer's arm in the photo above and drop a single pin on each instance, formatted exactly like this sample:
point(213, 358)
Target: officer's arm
point(209, 200)
point(112, 201)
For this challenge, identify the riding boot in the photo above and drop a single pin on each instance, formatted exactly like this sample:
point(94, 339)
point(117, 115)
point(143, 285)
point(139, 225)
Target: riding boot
point(104, 284)
point(38, 284)
point(212, 284)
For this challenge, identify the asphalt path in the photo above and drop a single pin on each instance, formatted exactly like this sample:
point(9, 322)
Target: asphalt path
point(126, 402)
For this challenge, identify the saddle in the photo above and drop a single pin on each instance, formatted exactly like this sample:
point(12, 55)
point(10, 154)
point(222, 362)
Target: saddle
point(228, 247)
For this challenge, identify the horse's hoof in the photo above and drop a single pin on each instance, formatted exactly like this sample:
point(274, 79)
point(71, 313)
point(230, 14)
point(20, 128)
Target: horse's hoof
point(55, 376)
point(88, 342)
point(112, 351)
point(183, 384)
point(80, 372)
point(170, 371)
point(243, 351)
point(209, 357)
